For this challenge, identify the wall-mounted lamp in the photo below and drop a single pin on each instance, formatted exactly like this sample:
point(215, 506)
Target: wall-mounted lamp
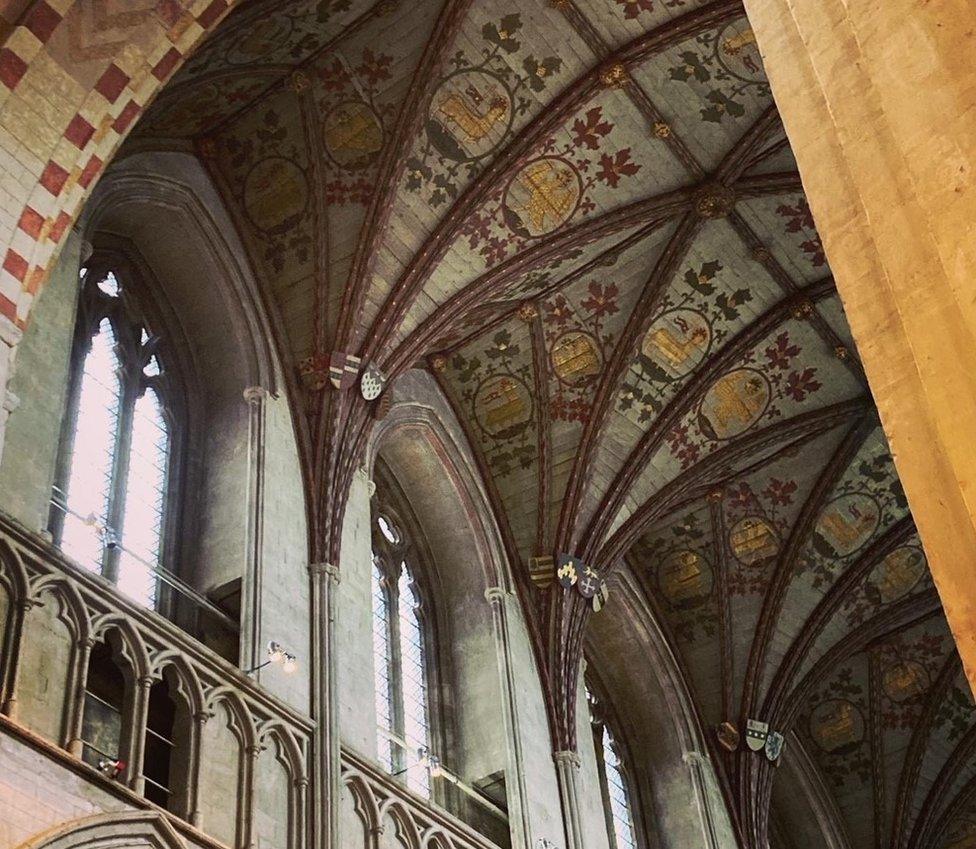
point(277, 654)
point(425, 759)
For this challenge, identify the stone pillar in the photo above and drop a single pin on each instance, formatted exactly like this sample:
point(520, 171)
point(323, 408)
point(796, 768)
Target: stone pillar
point(327, 766)
point(78, 676)
point(879, 103)
point(252, 648)
point(11, 657)
point(194, 760)
point(245, 822)
point(701, 772)
point(136, 742)
point(518, 814)
point(567, 774)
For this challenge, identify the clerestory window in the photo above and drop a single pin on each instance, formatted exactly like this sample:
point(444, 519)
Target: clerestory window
point(110, 493)
point(399, 661)
point(617, 798)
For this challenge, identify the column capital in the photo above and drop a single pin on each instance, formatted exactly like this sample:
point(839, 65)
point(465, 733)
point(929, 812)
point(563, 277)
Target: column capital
point(569, 757)
point(255, 394)
point(325, 570)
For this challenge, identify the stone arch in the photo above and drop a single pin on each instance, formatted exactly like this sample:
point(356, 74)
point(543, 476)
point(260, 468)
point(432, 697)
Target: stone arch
point(59, 665)
point(403, 822)
point(277, 744)
point(364, 800)
point(189, 684)
point(136, 829)
point(676, 764)
point(132, 646)
point(14, 585)
point(113, 68)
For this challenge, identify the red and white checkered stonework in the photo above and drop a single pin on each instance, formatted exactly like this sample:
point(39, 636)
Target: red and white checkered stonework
point(74, 76)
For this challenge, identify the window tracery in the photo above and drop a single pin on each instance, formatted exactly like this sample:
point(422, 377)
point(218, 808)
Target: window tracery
point(109, 504)
point(400, 658)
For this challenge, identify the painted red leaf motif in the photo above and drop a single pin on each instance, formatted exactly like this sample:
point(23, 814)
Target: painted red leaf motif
point(612, 167)
point(589, 132)
point(802, 383)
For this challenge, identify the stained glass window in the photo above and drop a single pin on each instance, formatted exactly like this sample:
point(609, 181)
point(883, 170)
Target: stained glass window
point(109, 501)
point(399, 661)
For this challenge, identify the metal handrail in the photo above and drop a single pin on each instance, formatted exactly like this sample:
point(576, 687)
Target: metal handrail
point(169, 578)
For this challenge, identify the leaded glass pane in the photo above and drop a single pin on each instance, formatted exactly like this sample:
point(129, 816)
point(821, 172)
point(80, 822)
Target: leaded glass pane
point(623, 823)
point(413, 675)
point(144, 497)
point(93, 452)
point(381, 668)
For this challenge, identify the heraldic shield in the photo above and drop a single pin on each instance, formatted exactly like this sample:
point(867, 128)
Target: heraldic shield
point(372, 383)
point(756, 734)
point(568, 570)
point(774, 745)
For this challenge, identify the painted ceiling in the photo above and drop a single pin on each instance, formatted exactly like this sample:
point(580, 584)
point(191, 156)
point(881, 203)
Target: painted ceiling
point(583, 217)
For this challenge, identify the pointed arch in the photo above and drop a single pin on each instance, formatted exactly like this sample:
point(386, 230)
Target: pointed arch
point(136, 829)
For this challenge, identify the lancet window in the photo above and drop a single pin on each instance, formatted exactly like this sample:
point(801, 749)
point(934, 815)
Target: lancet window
point(109, 504)
point(617, 796)
point(400, 657)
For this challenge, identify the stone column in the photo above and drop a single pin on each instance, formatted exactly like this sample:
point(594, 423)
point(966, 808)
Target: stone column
point(327, 766)
point(194, 760)
point(75, 702)
point(245, 822)
point(135, 737)
point(567, 775)
point(518, 814)
point(878, 102)
point(11, 657)
point(252, 651)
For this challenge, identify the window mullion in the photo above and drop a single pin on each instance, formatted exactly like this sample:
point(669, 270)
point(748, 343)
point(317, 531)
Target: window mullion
point(130, 381)
point(397, 718)
point(604, 783)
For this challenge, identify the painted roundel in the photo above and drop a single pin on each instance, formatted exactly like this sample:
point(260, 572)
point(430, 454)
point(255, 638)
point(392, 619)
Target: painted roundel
point(353, 135)
point(275, 193)
point(576, 358)
point(846, 524)
point(737, 52)
point(961, 834)
point(897, 575)
point(685, 578)
point(542, 196)
point(904, 680)
point(733, 403)
point(503, 406)
point(837, 726)
point(259, 40)
point(469, 115)
point(677, 341)
point(753, 540)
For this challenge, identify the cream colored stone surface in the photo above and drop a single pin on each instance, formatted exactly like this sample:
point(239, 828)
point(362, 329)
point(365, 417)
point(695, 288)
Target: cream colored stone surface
point(879, 102)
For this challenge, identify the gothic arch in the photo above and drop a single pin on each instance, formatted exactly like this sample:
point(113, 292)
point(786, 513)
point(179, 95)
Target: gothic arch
point(137, 829)
point(71, 154)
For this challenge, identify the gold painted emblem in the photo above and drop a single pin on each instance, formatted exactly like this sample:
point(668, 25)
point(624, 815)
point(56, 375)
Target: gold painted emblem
point(353, 135)
point(685, 578)
point(836, 725)
point(753, 540)
point(502, 405)
point(677, 341)
point(275, 193)
point(896, 575)
point(734, 403)
point(542, 196)
point(846, 524)
point(738, 53)
point(575, 357)
point(904, 680)
point(469, 115)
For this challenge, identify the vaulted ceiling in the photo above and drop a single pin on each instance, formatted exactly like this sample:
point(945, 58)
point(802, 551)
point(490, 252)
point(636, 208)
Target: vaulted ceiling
point(584, 218)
